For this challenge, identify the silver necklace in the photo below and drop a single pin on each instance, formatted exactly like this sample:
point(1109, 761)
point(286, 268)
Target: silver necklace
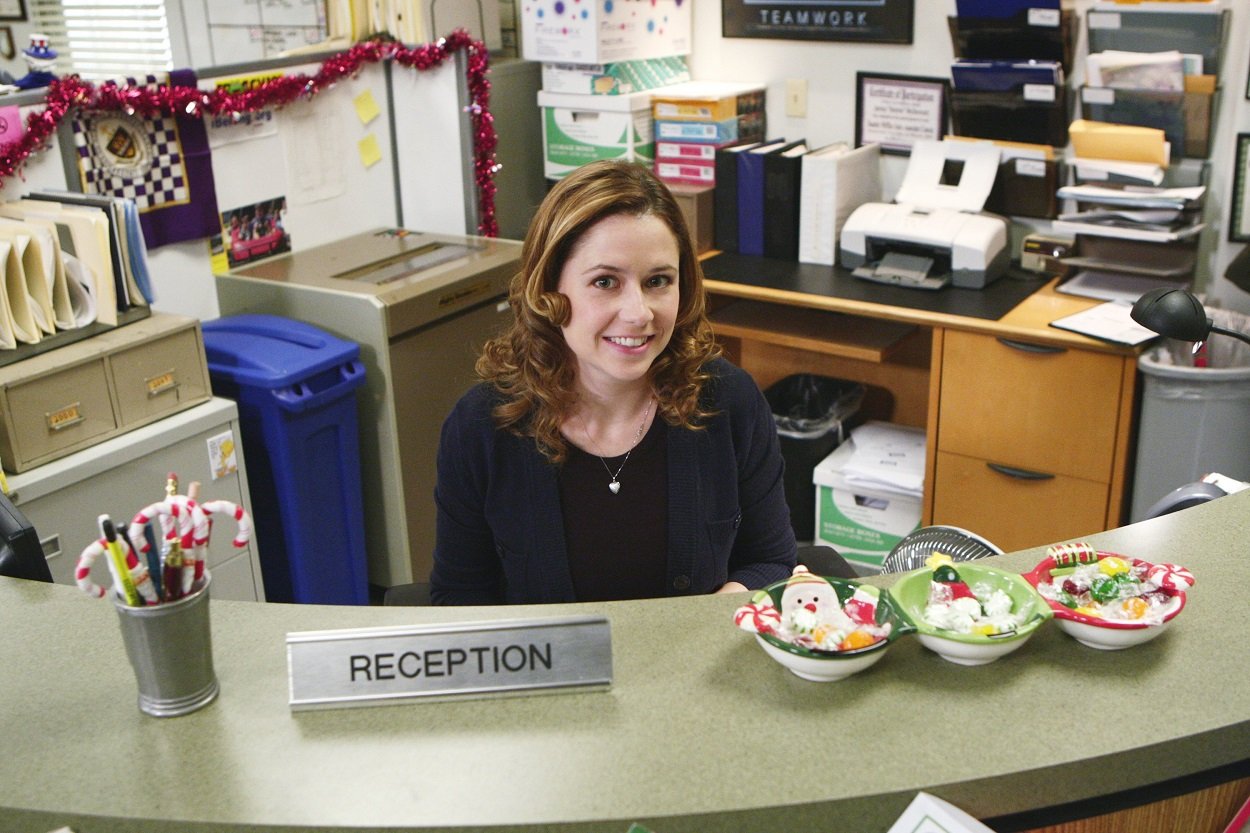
point(614, 485)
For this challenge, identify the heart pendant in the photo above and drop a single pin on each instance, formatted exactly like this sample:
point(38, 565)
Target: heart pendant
point(615, 486)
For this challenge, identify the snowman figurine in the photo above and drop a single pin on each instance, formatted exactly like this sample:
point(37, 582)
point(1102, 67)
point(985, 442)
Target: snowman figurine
point(810, 608)
point(40, 60)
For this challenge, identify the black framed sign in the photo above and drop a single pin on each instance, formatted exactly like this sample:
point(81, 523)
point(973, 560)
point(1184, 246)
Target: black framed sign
point(13, 10)
point(876, 21)
point(1239, 217)
point(895, 111)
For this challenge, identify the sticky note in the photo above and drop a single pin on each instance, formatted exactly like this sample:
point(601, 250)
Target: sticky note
point(370, 153)
point(366, 108)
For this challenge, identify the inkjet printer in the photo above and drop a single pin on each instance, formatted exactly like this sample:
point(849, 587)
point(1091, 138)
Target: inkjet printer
point(933, 234)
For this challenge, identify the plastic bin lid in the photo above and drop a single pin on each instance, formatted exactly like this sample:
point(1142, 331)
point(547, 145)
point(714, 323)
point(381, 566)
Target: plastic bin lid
point(269, 351)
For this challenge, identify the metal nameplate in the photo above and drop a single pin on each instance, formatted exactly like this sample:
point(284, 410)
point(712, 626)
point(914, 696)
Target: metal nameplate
point(379, 666)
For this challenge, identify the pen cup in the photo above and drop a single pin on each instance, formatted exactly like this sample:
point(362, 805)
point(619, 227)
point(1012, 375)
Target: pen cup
point(170, 647)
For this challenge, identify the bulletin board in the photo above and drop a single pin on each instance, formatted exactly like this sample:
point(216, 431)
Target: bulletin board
point(326, 162)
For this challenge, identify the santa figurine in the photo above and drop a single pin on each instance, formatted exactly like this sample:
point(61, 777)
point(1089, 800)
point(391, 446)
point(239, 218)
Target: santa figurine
point(40, 59)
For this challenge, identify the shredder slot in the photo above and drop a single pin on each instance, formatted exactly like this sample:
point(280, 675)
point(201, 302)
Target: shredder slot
point(406, 264)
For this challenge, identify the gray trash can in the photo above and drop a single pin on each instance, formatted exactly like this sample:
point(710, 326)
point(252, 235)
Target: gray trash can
point(1194, 420)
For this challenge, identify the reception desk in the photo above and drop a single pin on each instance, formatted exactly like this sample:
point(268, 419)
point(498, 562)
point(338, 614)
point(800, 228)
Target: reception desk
point(700, 730)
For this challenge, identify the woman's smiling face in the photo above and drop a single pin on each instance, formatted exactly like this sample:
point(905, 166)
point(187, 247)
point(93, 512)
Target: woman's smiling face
point(621, 279)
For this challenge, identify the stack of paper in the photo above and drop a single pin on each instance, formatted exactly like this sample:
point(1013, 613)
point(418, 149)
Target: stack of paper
point(1156, 214)
point(888, 458)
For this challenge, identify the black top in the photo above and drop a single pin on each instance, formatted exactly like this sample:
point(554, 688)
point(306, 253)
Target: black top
point(617, 543)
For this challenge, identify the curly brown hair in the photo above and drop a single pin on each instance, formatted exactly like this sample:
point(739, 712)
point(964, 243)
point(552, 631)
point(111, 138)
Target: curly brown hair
point(531, 365)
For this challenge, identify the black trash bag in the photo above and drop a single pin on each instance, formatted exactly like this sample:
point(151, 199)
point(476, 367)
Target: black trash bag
point(810, 412)
point(808, 406)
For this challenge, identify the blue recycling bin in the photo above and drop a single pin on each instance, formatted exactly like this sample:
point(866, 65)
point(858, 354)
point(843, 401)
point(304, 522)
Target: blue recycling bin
point(295, 388)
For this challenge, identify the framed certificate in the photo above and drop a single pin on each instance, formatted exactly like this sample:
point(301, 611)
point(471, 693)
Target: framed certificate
point(895, 111)
point(1239, 219)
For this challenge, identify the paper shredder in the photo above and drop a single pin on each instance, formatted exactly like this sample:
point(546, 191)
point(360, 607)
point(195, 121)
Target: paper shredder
point(420, 306)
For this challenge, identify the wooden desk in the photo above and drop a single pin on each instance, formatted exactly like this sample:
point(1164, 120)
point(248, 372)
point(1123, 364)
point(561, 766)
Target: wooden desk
point(1030, 429)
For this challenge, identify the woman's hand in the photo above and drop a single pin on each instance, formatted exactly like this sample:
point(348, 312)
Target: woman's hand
point(732, 587)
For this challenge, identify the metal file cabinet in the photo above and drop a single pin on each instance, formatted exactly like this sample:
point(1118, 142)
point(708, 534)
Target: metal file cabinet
point(122, 475)
point(420, 306)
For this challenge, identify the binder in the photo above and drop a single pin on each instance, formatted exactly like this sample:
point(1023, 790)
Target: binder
point(836, 180)
point(725, 197)
point(783, 183)
point(751, 195)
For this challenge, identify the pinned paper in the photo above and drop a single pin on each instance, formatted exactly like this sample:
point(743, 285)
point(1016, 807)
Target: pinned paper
point(222, 459)
point(370, 153)
point(10, 124)
point(366, 107)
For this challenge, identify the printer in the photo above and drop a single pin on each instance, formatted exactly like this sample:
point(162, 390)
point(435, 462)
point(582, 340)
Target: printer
point(934, 233)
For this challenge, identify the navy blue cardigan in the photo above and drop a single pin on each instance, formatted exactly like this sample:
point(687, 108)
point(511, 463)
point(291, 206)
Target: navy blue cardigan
point(500, 533)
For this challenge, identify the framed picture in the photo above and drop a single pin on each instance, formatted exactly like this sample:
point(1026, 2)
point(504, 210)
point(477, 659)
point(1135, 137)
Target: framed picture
point(875, 21)
point(894, 111)
point(13, 10)
point(1239, 219)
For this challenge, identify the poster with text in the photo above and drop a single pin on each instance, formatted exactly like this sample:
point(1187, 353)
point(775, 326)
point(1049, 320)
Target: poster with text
point(877, 21)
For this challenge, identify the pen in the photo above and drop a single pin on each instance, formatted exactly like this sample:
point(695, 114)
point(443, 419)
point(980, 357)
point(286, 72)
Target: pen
point(153, 554)
point(121, 571)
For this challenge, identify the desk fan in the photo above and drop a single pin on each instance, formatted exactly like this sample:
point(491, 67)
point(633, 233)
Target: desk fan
point(916, 547)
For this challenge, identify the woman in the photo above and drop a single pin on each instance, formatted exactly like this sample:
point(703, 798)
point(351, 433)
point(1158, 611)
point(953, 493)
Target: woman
point(608, 452)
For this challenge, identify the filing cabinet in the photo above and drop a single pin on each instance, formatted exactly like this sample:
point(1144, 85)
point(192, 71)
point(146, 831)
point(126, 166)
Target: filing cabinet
point(1028, 449)
point(125, 473)
point(71, 398)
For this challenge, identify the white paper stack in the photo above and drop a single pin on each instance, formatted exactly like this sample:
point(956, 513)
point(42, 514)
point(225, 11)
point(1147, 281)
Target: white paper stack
point(887, 458)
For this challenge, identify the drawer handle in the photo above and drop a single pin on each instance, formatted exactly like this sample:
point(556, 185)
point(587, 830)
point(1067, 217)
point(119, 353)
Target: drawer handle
point(1032, 348)
point(63, 418)
point(1020, 474)
point(161, 383)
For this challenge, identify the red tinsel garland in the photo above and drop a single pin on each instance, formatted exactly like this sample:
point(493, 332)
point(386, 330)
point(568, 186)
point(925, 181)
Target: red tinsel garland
point(64, 94)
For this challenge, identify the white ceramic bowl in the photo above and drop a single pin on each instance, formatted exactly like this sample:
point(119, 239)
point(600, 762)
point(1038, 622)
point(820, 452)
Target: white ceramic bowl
point(824, 669)
point(1109, 637)
point(911, 592)
point(1104, 634)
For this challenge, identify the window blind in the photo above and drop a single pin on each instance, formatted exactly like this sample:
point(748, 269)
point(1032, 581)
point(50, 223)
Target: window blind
point(103, 39)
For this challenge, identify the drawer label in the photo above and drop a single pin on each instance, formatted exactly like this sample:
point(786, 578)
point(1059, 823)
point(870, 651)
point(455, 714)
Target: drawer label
point(65, 417)
point(160, 383)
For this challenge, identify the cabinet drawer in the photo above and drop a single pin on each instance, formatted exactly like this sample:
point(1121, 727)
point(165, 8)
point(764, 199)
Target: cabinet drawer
point(160, 377)
point(1052, 410)
point(1011, 512)
point(48, 415)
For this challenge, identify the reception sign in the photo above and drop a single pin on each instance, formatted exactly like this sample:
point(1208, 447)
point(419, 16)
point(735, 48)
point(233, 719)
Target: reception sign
point(877, 21)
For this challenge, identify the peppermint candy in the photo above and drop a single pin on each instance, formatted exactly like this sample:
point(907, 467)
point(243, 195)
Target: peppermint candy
point(1171, 577)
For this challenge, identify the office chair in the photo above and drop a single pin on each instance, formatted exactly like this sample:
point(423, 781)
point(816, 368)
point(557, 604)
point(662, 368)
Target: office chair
point(1209, 488)
point(820, 559)
point(915, 548)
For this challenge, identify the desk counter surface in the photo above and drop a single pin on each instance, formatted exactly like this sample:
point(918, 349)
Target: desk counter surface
point(832, 290)
point(700, 731)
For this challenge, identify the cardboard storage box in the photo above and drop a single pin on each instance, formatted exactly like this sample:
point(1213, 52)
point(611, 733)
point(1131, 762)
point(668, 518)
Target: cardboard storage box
point(604, 31)
point(620, 78)
point(581, 128)
point(863, 525)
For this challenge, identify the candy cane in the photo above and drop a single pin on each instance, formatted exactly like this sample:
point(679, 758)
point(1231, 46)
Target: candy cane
point(243, 533)
point(138, 571)
point(178, 517)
